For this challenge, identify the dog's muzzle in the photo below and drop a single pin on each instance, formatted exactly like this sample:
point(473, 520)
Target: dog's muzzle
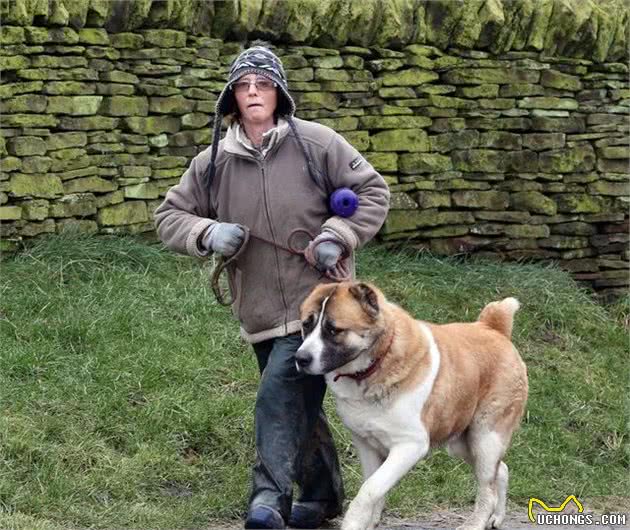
point(303, 360)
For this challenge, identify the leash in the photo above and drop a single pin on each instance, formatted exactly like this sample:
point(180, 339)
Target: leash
point(339, 273)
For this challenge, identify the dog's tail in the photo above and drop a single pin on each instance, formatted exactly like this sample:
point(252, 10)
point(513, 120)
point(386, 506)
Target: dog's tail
point(500, 315)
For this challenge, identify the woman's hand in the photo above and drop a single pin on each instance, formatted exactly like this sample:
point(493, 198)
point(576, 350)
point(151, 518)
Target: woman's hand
point(224, 238)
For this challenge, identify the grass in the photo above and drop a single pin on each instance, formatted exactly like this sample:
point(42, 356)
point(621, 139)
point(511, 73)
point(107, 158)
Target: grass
point(127, 398)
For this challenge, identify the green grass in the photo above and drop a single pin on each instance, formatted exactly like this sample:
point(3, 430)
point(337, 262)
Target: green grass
point(127, 397)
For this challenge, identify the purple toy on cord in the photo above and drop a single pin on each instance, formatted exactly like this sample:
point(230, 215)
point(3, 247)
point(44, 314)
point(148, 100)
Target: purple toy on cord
point(344, 202)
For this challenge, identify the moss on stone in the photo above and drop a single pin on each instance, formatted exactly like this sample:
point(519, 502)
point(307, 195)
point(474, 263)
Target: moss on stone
point(414, 163)
point(534, 202)
point(123, 214)
point(409, 77)
point(36, 185)
point(400, 140)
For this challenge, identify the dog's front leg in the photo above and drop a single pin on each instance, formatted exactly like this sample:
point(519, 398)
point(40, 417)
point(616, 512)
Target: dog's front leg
point(401, 459)
point(371, 460)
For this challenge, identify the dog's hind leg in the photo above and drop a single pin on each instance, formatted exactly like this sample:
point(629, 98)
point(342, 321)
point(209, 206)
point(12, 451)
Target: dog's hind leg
point(401, 459)
point(487, 449)
point(502, 485)
point(371, 460)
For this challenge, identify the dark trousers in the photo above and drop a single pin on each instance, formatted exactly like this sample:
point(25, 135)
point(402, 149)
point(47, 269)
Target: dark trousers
point(293, 441)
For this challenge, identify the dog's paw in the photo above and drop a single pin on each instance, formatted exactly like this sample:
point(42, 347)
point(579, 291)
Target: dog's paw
point(470, 526)
point(357, 518)
point(496, 519)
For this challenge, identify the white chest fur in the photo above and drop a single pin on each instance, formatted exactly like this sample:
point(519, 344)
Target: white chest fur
point(390, 420)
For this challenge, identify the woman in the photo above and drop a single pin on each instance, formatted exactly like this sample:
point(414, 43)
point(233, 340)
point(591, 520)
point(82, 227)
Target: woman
point(270, 175)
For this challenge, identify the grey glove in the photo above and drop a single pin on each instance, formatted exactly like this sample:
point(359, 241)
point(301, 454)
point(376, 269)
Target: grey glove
point(326, 253)
point(224, 238)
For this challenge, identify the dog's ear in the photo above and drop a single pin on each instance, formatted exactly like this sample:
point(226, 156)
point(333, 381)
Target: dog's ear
point(314, 300)
point(367, 297)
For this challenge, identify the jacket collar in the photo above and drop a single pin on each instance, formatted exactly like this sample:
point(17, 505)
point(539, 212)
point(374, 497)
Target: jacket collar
point(237, 143)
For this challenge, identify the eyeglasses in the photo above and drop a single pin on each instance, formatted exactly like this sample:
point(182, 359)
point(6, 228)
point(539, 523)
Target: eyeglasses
point(262, 85)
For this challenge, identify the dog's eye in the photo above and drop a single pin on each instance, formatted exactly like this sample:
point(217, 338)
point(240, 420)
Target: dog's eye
point(307, 324)
point(332, 330)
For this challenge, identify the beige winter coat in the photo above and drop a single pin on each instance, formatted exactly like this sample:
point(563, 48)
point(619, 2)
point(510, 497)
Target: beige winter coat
point(273, 196)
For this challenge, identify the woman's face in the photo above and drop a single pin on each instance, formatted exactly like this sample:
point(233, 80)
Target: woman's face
point(257, 99)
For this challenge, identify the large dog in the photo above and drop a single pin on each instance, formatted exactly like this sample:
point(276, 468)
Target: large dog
point(404, 386)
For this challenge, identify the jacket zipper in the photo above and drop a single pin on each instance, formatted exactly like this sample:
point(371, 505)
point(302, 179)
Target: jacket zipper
point(273, 238)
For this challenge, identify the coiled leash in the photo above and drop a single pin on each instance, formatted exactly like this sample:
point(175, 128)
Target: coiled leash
point(339, 273)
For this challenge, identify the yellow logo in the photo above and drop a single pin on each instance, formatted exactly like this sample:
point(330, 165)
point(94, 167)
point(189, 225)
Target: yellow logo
point(570, 498)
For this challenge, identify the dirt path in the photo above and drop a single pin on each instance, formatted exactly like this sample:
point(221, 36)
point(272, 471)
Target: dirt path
point(442, 520)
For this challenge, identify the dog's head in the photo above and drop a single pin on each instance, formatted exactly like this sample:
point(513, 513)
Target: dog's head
point(340, 321)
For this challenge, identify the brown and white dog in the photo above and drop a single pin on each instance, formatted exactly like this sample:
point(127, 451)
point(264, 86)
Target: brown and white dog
point(404, 386)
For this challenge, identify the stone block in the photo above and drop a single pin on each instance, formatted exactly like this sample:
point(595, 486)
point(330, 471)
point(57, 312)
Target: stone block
point(65, 140)
point(576, 228)
point(401, 201)
point(73, 205)
point(148, 190)
point(164, 38)
point(523, 161)
point(544, 141)
point(35, 209)
point(36, 164)
point(26, 146)
point(25, 103)
point(620, 152)
point(10, 213)
point(75, 105)
point(533, 201)
point(489, 200)
point(13, 62)
point(394, 122)
point(88, 184)
point(492, 76)
point(126, 40)
point(443, 143)
point(500, 140)
point(77, 226)
point(548, 103)
point(44, 186)
point(126, 213)
point(413, 163)
point(578, 203)
point(153, 125)
point(11, 35)
point(432, 199)
point(88, 123)
point(577, 159)
point(29, 120)
point(94, 36)
point(555, 79)
point(317, 100)
point(527, 231)
point(480, 160)
point(412, 140)
point(168, 105)
point(409, 77)
point(125, 106)
point(383, 162)
point(613, 165)
point(615, 189)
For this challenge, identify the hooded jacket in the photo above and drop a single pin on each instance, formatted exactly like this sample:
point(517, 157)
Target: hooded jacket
point(272, 196)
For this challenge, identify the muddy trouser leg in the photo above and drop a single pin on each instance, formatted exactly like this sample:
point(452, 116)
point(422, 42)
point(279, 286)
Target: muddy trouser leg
point(293, 442)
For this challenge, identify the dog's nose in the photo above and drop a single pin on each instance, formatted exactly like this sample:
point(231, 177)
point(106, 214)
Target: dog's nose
point(303, 359)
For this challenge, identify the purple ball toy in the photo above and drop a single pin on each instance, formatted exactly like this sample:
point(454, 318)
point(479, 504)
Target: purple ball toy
point(344, 202)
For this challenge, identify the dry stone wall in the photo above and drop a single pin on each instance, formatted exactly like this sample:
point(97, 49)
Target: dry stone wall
point(517, 154)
